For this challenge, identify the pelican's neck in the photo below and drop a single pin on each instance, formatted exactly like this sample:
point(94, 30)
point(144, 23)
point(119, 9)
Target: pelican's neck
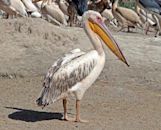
point(137, 9)
point(115, 4)
point(96, 41)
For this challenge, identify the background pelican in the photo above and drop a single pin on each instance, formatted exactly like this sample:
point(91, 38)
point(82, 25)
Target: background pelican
point(126, 17)
point(153, 7)
point(51, 11)
point(30, 6)
point(76, 71)
point(13, 7)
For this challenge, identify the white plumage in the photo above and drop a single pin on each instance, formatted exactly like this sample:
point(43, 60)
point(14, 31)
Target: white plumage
point(76, 71)
point(54, 12)
point(29, 6)
point(126, 17)
point(13, 7)
point(65, 74)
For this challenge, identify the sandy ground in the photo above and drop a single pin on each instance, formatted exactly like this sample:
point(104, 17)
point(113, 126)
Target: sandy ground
point(121, 99)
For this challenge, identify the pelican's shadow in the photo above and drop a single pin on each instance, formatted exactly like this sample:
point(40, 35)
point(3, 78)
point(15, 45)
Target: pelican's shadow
point(32, 116)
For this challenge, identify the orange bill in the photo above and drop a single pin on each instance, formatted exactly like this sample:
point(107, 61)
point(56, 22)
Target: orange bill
point(100, 29)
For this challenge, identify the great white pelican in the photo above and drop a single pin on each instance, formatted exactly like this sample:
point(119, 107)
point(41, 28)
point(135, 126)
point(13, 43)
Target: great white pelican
point(76, 71)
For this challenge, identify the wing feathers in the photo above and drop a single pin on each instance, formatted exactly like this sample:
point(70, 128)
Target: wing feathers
point(65, 73)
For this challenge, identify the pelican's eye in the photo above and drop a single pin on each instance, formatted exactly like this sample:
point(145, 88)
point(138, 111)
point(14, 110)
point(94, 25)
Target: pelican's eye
point(99, 19)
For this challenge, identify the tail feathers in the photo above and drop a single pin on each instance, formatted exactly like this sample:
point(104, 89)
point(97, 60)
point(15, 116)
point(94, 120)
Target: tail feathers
point(154, 25)
point(41, 103)
point(45, 97)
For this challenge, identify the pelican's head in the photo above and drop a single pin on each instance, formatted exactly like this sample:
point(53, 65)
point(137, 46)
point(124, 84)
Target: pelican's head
point(96, 23)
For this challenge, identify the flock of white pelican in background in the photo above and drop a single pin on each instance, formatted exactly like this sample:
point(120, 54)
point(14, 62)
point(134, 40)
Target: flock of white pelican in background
point(77, 70)
point(66, 12)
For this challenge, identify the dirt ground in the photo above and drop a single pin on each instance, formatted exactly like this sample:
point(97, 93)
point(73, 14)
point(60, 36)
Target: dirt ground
point(123, 98)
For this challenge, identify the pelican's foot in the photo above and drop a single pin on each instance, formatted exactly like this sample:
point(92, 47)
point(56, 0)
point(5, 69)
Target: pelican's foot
point(81, 121)
point(68, 119)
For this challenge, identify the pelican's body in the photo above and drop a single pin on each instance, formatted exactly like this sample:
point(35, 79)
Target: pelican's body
point(5, 6)
point(85, 66)
point(76, 71)
point(51, 11)
point(147, 19)
point(153, 7)
point(126, 17)
point(54, 13)
point(13, 7)
point(63, 5)
point(30, 6)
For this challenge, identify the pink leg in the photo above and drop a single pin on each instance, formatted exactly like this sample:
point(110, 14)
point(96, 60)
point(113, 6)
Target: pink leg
point(65, 111)
point(78, 112)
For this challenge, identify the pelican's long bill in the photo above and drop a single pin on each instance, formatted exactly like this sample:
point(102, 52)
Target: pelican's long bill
point(100, 28)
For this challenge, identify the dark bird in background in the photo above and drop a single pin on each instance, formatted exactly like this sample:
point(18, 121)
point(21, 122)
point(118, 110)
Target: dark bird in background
point(151, 5)
point(99, 6)
point(159, 2)
point(81, 6)
point(76, 7)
